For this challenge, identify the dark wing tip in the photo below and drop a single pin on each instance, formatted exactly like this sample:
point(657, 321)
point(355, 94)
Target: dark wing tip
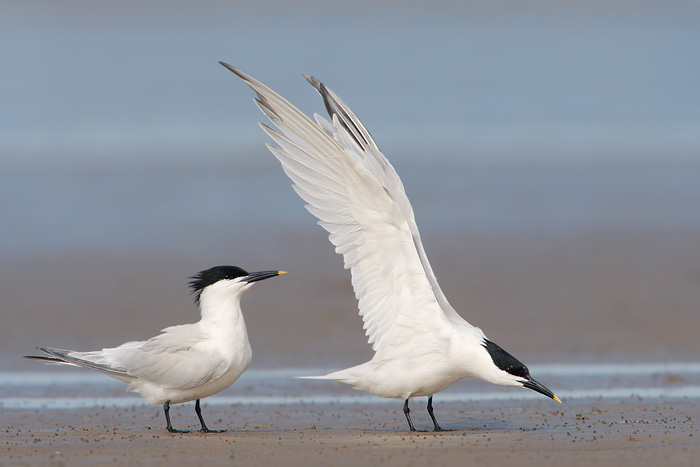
point(53, 355)
point(239, 73)
point(226, 65)
point(43, 359)
point(315, 82)
point(234, 70)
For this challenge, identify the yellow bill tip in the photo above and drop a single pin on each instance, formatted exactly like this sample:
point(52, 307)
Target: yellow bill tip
point(281, 272)
point(556, 399)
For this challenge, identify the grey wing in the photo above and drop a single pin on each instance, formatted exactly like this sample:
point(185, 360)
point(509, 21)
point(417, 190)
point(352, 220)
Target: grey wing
point(174, 359)
point(70, 357)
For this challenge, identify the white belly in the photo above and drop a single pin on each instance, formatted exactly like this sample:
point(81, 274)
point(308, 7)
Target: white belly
point(156, 394)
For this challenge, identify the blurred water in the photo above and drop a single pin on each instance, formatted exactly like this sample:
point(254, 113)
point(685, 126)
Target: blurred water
point(164, 210)
point(118, 129)
point(136, 84)
point(68, 389)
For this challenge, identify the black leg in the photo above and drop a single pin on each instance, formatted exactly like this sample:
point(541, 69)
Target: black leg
point(201, 420)
point(166, 408)
point(430, 411)
point(406, 412)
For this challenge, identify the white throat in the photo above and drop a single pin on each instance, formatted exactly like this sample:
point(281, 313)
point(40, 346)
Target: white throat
point(220, 303)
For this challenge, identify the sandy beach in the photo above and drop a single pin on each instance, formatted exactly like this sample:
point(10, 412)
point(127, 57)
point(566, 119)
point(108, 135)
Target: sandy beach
point(580, 432)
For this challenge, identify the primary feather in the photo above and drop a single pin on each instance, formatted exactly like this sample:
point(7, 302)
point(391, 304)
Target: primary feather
point(358, 197)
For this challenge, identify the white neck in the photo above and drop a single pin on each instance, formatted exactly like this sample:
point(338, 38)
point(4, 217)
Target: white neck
point(220, 305)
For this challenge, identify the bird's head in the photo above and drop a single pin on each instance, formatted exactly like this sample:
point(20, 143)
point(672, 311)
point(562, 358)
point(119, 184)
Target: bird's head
point(226, 280)
point(510, 371)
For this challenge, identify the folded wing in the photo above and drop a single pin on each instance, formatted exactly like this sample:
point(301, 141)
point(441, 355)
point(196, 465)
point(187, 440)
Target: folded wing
point(172, 359)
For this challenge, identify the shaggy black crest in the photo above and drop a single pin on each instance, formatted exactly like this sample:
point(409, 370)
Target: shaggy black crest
point(211, 276)
point(506, 361)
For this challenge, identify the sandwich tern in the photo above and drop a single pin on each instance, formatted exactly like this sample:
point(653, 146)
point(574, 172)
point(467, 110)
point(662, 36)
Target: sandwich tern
point(421, 344)
point(186, 362)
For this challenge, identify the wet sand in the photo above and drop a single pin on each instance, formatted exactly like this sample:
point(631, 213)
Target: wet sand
point(579, 432)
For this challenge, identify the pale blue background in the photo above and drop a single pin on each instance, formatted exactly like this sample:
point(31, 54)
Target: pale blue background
point(119, 130)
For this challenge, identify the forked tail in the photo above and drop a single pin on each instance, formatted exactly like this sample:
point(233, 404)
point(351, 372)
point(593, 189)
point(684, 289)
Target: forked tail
point(68, 357)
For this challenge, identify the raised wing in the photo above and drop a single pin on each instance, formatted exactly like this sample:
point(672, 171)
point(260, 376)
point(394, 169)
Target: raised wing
point(359, 199)
point(380, 168)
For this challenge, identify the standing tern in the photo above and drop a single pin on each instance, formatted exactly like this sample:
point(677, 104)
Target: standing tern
point(186, 362)
point(421, 344)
